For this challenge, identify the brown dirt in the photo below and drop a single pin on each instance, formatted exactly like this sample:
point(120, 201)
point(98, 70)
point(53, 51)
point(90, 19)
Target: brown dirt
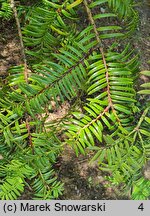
point(82, 180)
point(142, 37)
point(9, 47)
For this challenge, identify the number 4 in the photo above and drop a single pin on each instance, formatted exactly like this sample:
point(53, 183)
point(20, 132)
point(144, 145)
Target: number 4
point(141, 207)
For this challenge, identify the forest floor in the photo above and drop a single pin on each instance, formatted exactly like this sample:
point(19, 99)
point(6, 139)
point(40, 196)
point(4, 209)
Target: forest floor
point(81, 179)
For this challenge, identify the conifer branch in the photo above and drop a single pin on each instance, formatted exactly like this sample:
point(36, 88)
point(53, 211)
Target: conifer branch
point(12, 4)
point(103, 56)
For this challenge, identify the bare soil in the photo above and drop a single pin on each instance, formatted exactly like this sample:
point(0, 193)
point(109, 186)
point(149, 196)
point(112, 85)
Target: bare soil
point(9, 47)
point(142, 36)
point(83, 180)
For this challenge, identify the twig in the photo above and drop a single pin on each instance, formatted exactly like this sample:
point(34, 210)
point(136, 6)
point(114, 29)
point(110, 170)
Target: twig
point(103, 57)
point(12, 4)
point(92, 22)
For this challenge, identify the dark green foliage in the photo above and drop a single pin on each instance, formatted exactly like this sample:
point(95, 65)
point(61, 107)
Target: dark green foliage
point(5, 9)
point(141, 189)
point(64, 65)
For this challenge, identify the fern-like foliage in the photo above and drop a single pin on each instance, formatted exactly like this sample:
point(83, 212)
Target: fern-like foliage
point(14, 175)
point(48, 27)
point(5, 9)
point(141, 189)
point(32, 161)
point(33, 152)
point(64, 65)
point(111, 99)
